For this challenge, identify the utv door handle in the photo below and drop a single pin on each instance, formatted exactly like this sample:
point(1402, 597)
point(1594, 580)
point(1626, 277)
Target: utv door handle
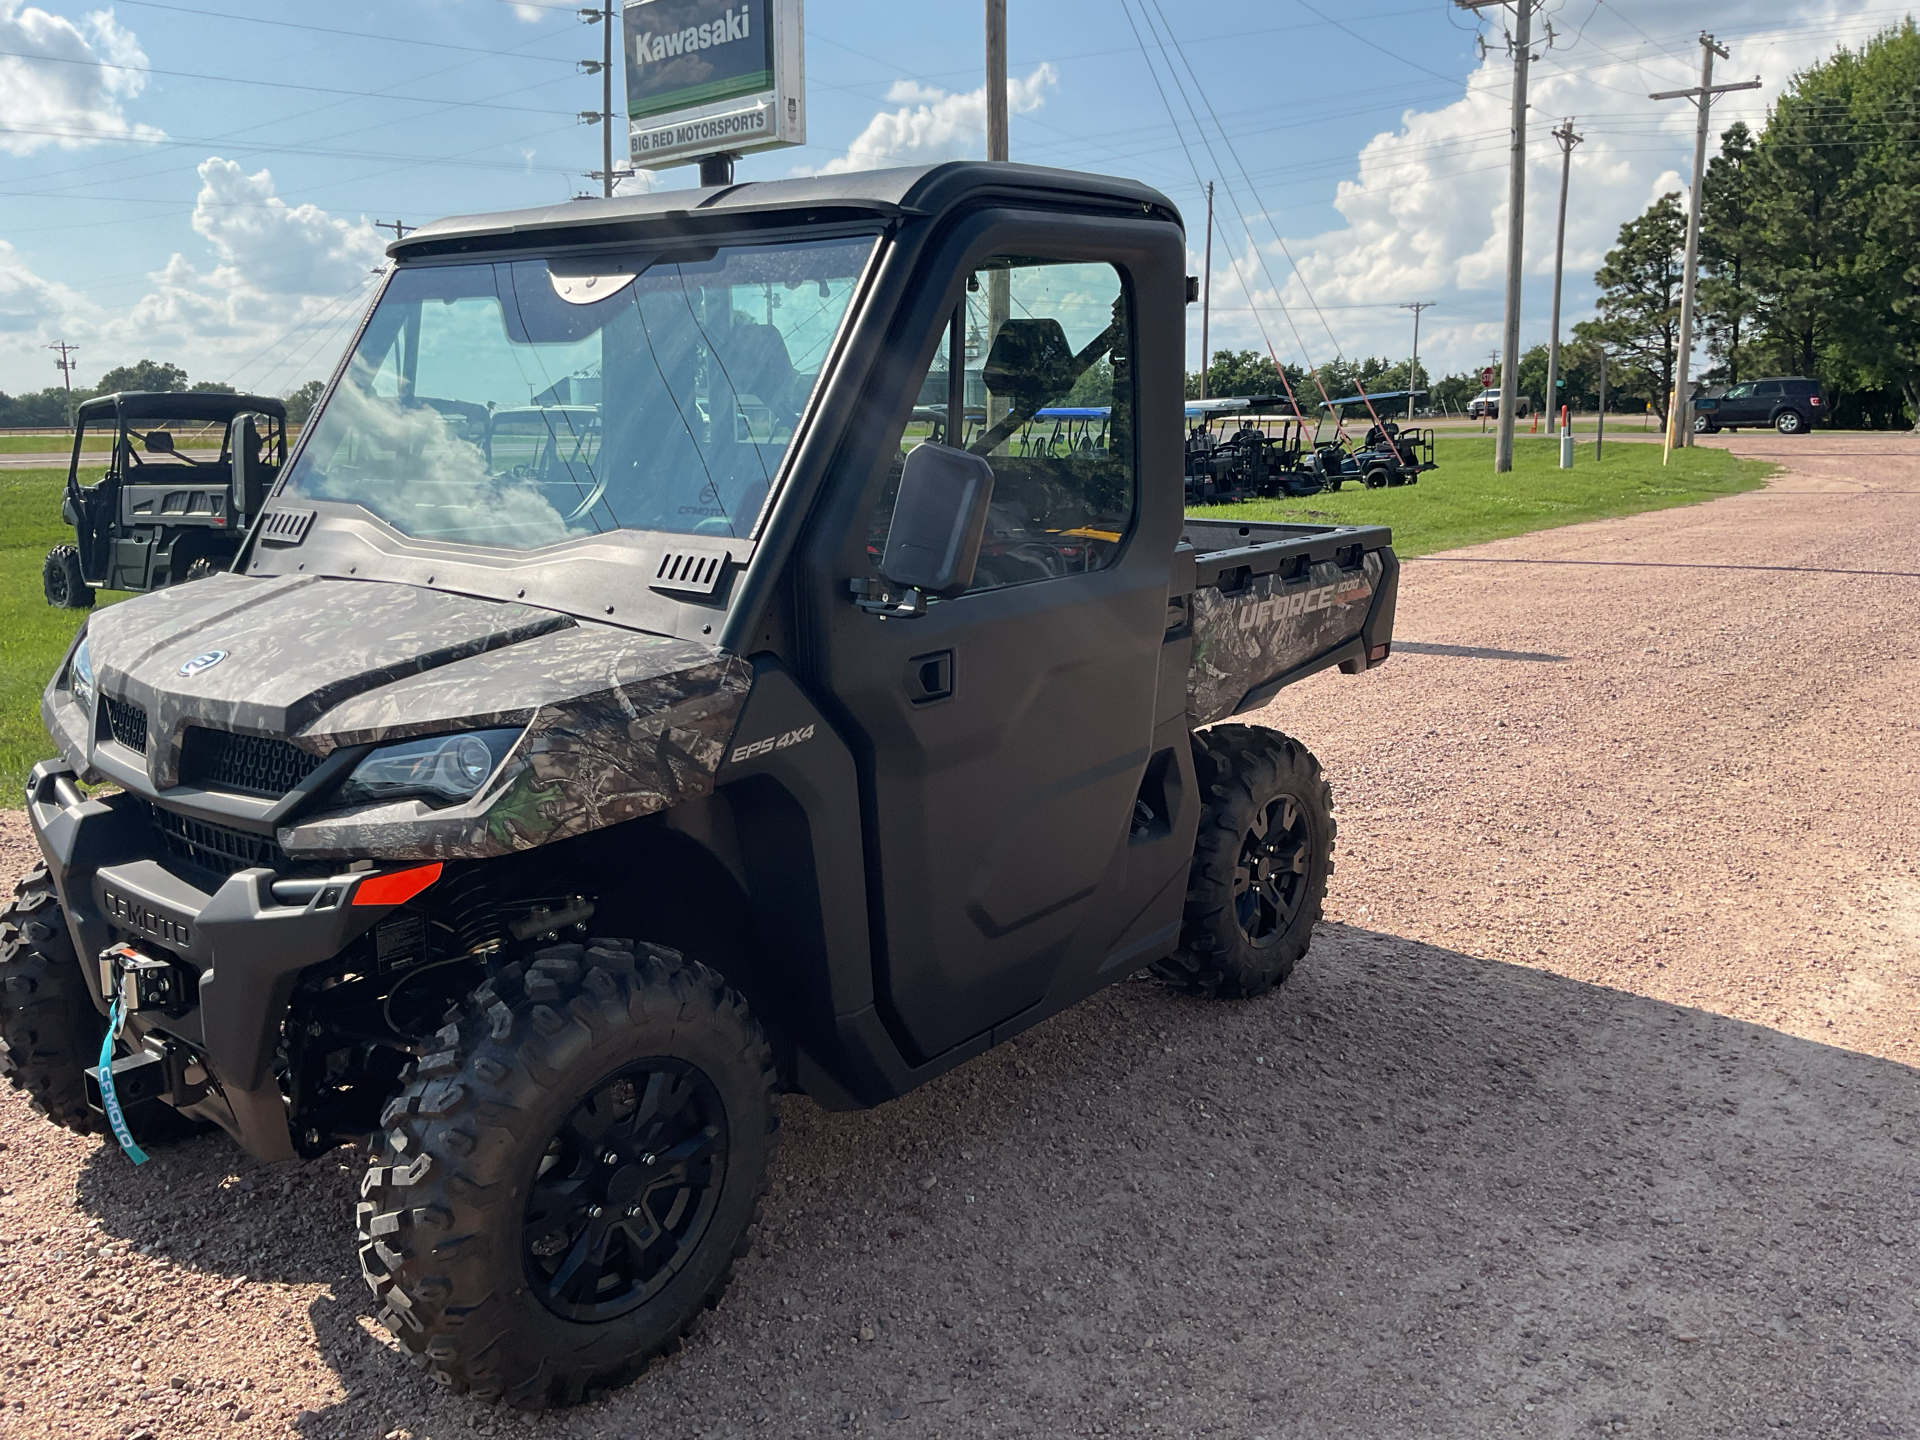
point(930, 677)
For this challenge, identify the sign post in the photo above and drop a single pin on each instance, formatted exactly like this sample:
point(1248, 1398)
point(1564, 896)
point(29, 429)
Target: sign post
point(711, 80)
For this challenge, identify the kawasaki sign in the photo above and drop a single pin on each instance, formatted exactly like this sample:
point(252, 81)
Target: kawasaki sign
point(712, 75)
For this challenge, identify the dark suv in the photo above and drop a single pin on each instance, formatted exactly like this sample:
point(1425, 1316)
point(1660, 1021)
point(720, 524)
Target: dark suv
point(1791, 404)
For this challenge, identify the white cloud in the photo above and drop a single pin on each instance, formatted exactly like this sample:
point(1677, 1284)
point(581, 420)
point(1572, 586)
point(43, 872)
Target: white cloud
point(65, 85)
point(28, 302)
point(1425, 214)
point(931, 124)
point(278, 273)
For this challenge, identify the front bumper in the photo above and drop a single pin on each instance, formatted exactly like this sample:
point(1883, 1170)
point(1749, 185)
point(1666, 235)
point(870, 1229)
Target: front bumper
point(244, 942)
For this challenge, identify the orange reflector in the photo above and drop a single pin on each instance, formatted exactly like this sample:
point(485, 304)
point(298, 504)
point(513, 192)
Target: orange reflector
point(398, 887)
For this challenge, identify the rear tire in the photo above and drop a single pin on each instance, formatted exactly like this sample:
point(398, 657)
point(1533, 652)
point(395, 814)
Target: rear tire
point(49, 1029)
point(61, 581)
point(1260, 864)
point(1790, 422)
point(566, 1184)
point(200, 569)
point(1378, 477)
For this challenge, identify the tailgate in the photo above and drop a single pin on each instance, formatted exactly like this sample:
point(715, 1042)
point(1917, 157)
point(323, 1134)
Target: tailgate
point(1272, 604)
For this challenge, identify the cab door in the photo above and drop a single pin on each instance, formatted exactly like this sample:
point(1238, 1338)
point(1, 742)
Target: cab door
point(1002, 736)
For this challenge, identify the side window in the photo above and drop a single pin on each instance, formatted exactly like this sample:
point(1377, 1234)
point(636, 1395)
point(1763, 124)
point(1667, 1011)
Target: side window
point(1768, 389)
point(1048, 399)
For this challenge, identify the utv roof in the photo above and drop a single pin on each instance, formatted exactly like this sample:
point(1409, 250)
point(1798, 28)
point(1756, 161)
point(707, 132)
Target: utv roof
point(876, 194)
point(1373, 395)
point(179, 405)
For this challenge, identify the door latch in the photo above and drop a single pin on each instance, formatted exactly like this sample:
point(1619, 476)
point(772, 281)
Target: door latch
point(930, 677)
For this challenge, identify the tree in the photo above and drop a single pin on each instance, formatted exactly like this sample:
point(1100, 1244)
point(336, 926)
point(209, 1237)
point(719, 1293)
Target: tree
point(300, 402)
point(210, 387)
point(1729, 237)
point(1242, 372)
point(1882, 342)
point(1639, 306)
point(147, 375)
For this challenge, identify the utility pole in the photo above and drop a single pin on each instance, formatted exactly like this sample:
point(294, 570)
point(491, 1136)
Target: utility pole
point(604, 116)
point(1413, 370)
point(1567, 140)
point(996, 79)
point(1600, 420)
point(400, 229)
point(999, 283)
point(1206, 293)
point(65, 365)
point(1680, 411)
point(1522, 44)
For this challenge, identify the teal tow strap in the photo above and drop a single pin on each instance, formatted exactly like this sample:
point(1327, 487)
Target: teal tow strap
point(108, 1096)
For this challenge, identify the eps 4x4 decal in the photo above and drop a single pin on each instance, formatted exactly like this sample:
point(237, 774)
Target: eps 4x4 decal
point(758, 748)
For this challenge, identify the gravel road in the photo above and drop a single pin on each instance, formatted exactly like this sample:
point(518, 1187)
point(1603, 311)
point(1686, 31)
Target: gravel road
point(1591, 1112)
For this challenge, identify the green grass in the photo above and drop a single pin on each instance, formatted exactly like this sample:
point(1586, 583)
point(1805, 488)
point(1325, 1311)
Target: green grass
point(33, 635)
point(52, 444)
point(1464, 502)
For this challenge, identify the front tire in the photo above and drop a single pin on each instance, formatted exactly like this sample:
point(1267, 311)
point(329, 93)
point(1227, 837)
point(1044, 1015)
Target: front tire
point(62, 582)
point(50, 1030)
point(534, 1220)
point(1260, 863)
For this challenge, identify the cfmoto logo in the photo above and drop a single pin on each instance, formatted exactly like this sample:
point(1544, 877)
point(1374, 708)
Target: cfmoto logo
point(202, 662)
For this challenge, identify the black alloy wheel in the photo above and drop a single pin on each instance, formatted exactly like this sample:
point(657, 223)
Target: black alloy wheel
point(625, 1191)
point(62, 582)
point(1270, 882)
point(1261, 858)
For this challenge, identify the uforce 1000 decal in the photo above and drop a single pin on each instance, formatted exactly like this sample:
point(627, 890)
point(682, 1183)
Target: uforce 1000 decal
point(773, 742)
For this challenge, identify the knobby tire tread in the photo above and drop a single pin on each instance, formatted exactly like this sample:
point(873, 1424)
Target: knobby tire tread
point(442, 1193)
point(50, 1028)
point(1240, 768)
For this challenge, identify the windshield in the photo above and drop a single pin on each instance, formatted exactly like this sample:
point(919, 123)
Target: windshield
point(522, 403)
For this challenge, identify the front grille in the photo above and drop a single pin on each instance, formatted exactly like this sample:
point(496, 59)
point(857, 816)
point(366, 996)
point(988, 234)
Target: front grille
point(214, 847)
point(127, 722)
point(252, 764)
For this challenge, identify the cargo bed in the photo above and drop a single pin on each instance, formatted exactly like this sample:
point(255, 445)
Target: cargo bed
point(1269, 604)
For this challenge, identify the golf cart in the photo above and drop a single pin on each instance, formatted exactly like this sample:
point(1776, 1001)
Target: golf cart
point(161, 515)
point(1259, 457)
point(1389, 454)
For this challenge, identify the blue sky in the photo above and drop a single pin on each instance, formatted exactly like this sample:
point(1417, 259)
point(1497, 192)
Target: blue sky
point(194, 183)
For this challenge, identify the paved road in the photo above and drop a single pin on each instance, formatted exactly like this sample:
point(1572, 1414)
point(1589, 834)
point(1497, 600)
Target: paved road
point(1591, 1112)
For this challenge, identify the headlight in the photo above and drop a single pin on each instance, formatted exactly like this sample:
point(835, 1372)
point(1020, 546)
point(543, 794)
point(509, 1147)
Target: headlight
point(80, 676)
point(445, 768)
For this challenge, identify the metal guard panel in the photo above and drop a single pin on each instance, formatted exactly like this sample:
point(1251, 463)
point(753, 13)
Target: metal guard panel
point(648, 737)
point(1243, 640)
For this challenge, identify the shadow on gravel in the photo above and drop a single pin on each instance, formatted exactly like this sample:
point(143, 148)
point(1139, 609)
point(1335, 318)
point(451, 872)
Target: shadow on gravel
point(1414, 1192)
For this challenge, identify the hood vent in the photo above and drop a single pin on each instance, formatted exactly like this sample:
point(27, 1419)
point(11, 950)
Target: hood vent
point(251, 764)
point(126, 722)
point(285, 527)
point(691, 572)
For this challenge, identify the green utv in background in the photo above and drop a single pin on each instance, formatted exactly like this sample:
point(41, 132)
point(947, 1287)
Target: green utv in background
point(161, 514)
point(623, 710)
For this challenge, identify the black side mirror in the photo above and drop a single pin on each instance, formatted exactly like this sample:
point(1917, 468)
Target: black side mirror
point(249, 475)
point(938, 520)
point(158, 442)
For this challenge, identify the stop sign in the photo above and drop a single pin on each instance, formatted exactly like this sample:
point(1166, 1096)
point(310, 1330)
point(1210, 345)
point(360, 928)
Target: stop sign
point(1486, 376)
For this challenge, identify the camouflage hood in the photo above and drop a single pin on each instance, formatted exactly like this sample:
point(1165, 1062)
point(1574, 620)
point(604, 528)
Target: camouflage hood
point(616, 723)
